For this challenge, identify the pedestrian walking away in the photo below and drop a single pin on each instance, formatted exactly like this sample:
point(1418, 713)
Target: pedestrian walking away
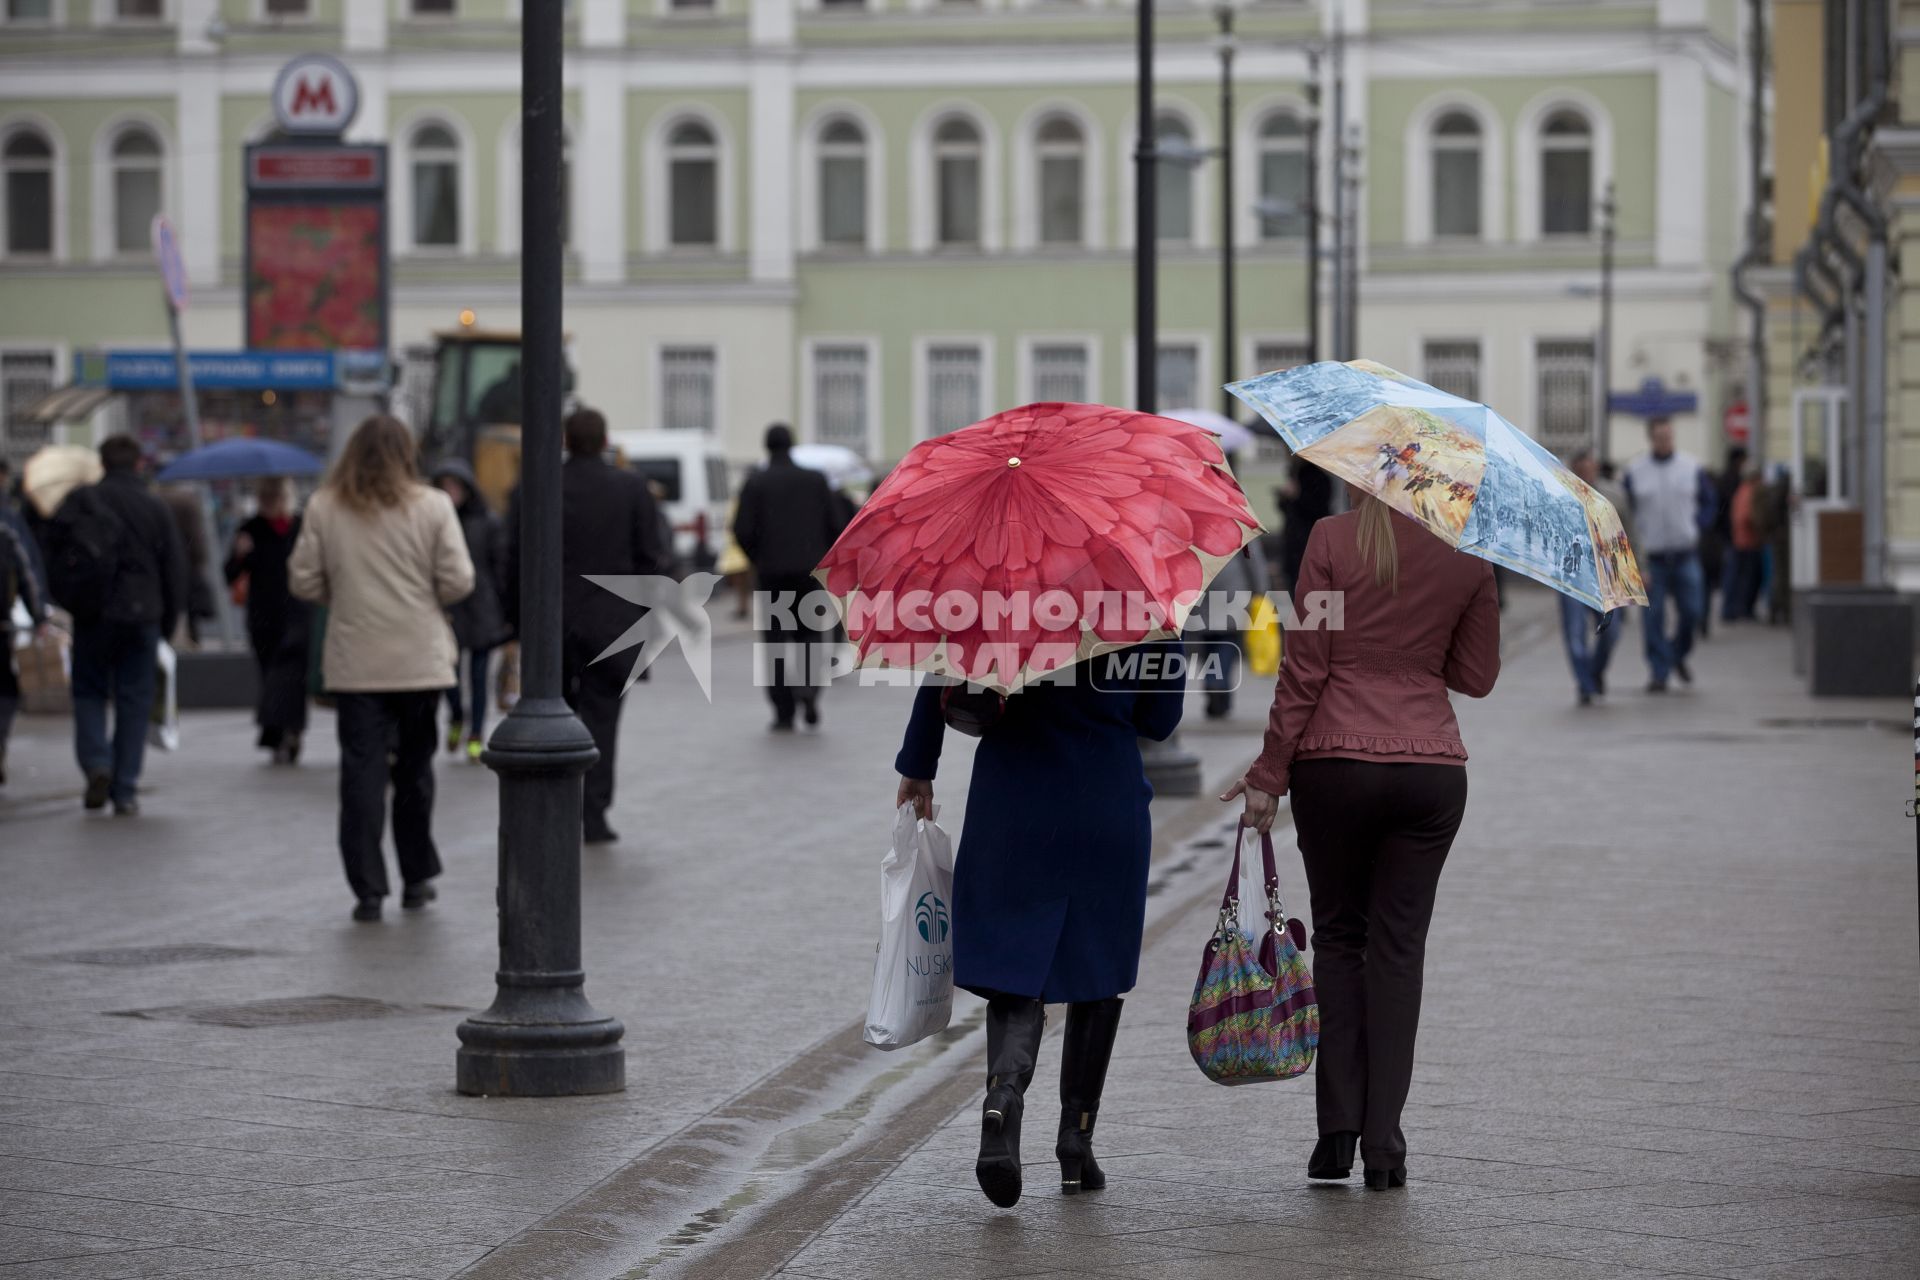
point(1747, 540)
point(1673, 499)
point(609, 525)
point(116, 563)
point(1304, 500)
point(479, 621)
point(384, 553)
point(279, 625)
point(787, 519)
point(17, 582)
point(1363, 736)
point(1050, 884)
point(1588, 634)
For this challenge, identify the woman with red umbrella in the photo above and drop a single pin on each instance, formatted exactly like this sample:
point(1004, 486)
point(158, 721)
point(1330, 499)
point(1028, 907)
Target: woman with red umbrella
point(1062, 546)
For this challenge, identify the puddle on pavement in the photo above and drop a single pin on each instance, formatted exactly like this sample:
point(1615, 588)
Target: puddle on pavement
point(697, 1228)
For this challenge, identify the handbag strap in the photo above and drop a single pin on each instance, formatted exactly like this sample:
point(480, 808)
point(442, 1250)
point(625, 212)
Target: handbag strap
point(1267, 864)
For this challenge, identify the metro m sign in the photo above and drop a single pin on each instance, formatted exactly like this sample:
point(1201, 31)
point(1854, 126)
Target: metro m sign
point(315, 94)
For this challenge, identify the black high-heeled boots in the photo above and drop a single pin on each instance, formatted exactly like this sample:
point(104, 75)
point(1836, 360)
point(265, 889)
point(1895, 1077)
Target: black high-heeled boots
point(1088, 1047)
point(1014, 1024)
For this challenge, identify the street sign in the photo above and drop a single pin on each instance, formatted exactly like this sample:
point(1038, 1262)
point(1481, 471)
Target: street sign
point(225, 370)
point(315, 95)
point(1654, 399)
point(166, 251)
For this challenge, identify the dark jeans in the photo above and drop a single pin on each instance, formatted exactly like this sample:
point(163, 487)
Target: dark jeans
point(1742, 591)
point(1674, 574)
point(1374, 837)
point(593, 690)
point(387, 738)
point(9, 690)
point(790, 666)
point(477, 663)
point(1589, 638)
point(114, 661)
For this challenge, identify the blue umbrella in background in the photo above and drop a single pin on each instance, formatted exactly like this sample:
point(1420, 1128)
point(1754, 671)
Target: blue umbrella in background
point(241, 458)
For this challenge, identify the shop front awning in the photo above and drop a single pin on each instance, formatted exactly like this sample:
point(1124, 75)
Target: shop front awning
point(68, 404)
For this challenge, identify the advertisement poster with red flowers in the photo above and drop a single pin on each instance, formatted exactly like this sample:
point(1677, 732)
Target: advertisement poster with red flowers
point(316, 276)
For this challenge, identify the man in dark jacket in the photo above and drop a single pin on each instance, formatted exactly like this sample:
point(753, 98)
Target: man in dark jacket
point(609, 524)
point(788, 517)
point(115, 646)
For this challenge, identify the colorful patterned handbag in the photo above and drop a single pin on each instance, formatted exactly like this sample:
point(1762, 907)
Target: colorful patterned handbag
point(1253, 1015)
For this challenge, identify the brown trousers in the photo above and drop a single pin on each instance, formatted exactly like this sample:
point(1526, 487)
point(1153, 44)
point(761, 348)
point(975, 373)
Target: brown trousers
point(1374, 837)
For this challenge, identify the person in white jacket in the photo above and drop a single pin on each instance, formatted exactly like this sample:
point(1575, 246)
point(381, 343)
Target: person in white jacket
point(1673, 499)
point(384, 553)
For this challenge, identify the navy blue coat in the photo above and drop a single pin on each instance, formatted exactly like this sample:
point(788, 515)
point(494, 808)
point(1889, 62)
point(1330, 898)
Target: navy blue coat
point(1050, 883)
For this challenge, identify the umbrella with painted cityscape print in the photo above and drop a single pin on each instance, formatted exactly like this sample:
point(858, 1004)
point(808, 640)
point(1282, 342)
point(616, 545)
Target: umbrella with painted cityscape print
point(1473, 478)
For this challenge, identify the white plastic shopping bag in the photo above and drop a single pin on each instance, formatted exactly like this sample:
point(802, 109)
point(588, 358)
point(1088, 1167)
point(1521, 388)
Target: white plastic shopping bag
point(164, 731)
point(912, 994)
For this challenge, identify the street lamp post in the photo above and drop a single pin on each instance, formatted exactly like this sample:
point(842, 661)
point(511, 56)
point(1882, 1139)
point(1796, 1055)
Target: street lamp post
point(1603, 348)
point(1312, 127)
point(1229, 326)
point(1170, 768)
point(540, 1037)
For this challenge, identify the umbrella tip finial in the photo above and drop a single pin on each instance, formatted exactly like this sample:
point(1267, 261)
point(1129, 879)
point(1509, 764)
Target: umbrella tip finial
point(1013, 462)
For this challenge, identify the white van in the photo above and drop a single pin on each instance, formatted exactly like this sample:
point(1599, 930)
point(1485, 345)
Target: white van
point(692, 472)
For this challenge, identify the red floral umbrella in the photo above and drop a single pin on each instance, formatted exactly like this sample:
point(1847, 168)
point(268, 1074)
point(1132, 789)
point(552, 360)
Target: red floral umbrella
point(1038, 538)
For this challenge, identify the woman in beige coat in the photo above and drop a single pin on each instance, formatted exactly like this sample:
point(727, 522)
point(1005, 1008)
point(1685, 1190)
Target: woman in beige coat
point(385, 554)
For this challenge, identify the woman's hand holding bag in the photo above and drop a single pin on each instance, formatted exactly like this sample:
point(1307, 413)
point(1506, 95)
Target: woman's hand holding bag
point(1253, 1014)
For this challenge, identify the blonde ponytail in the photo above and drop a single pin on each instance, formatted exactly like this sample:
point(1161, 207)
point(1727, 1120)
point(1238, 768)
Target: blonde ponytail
point(1377, 544)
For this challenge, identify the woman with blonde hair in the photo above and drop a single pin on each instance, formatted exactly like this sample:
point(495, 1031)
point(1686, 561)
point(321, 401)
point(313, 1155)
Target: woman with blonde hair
point(1363, 736)
point(384, 553)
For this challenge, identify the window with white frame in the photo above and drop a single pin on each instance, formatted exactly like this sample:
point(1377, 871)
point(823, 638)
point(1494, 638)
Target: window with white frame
point(1457, 145)
point(843, 184)
point(435, 178)
point(1563, 374)
point(1453, 366)
point(1283, 177)
point(137, 162)
point(1566, 174)
point(841, 397)
point(1060, 371)
point(1173, 196)
point(687, 382)
point(25, 376)
point(956, 374)
point(27, 160)
point(693, 186)
point(1179, 375)
point(139, 10)
point(1061, 151)
point(957, 169)
point(38, 11)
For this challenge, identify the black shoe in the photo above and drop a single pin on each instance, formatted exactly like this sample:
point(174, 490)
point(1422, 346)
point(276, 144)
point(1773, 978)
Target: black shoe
point(416, 896)
point(1586, 699)
point(1332, 1156)
point(126, 808)
point(98, 784)
point(1219, 706)
point(782, 725)
point(596, 831)
point(1014, 1024)
point(1681, 669)
point(1656, 686)
point(367, 910)
point(810, 710)
point(1382, 1179)
point(1599, 685)
point(1085, 1052)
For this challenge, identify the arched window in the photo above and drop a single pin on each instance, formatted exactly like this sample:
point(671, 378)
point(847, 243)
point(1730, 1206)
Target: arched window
point(435, 179)
point(957, 170)
point(1173, 212)
point(1456, 175)
point(843, 184)
point(693, 185)
point(1566, 174)
point(137, 161)
point(27, 159)
point(1061, 149)
point(1283, 176)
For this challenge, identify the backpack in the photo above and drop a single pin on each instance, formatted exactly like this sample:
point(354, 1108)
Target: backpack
point(83, 553)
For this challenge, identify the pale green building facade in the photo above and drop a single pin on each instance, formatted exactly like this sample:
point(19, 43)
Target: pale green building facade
point(880, 220)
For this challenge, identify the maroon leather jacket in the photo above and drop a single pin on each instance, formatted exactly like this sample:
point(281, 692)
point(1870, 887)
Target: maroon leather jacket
point(1376, 689)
